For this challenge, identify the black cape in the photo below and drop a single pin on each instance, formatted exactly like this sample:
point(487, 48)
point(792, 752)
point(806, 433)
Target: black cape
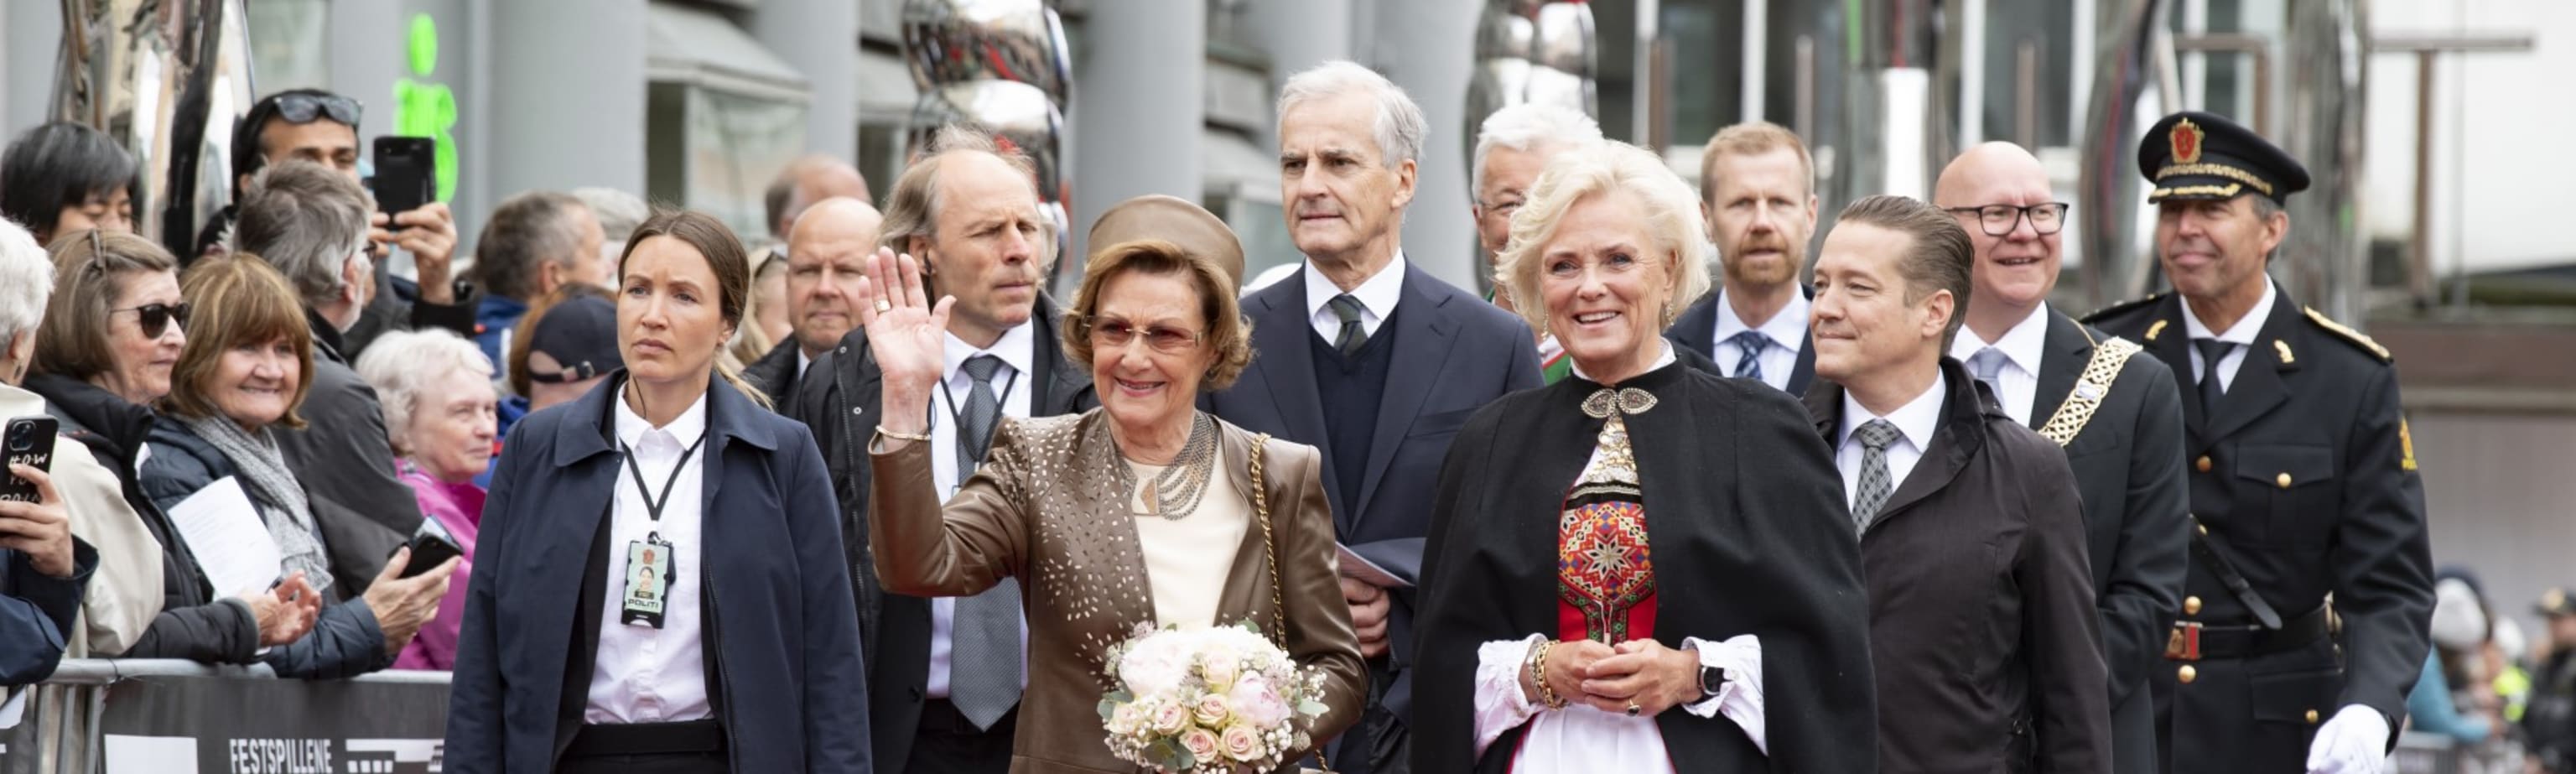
point(1749, 532)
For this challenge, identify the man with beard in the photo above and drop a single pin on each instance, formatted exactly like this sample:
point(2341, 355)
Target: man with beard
point(2116, 415)
point(1758, 190)
point(2310, 557)
point(945, 675)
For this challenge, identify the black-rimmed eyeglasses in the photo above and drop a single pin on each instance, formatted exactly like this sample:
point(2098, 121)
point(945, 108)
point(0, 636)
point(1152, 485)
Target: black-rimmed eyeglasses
point(1999, 219)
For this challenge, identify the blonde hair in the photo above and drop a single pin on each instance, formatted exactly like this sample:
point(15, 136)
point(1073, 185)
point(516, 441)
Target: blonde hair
point(1752, 138)
point(1672, 219)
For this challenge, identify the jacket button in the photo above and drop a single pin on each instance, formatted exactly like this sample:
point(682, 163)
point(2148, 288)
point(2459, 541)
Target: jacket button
point(2312, 717)
point(2191, 606)
point(2201, 464)
point(2283, 480)
point(2187, 674)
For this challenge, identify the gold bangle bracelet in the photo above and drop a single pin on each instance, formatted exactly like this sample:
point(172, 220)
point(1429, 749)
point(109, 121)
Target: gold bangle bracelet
point(885, 433)
point(1538, 674)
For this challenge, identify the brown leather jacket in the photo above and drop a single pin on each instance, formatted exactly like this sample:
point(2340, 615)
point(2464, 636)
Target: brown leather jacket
point(1045, 509)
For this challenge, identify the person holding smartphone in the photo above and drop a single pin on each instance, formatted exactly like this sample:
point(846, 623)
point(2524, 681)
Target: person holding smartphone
point(44, 570)
point(441, 410)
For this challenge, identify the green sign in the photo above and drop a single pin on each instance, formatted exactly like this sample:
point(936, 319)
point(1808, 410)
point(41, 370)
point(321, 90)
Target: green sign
point(427, 108)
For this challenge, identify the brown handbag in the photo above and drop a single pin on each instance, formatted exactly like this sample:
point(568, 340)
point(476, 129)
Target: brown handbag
point(1270, 551)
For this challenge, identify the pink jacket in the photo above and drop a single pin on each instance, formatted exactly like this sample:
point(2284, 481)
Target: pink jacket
point(459, 508)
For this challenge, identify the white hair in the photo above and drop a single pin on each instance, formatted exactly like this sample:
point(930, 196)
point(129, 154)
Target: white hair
point(1671, 210)
point(402, 365)
point(1529, 127)
point(26, 282)
point(1399, 127)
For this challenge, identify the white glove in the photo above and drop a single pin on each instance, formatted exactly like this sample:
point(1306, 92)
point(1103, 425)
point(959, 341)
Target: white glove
point(2355, 741)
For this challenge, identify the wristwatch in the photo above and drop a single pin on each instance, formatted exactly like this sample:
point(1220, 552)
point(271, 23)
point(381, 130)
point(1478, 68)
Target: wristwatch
point(1710, 679)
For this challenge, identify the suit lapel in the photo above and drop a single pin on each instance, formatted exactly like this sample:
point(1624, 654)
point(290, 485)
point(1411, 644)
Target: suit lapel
point(1804, 373)
point(1424, 332)
point(1055, 380)
point(1953, 445)
point(1696, 328)
point(2258, 388)
point(2068, 352)
point(1287, 366)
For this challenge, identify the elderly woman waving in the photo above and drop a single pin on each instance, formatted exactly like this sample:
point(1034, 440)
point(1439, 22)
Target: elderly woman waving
point(1643, 567)
point(1145, 510)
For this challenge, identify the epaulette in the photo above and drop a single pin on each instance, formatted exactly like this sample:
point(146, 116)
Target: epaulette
point(2348, 334)
point(2123, 307)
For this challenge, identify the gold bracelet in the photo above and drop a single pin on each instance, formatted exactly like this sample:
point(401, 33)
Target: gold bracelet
point(1538, 675)
point(885, 433)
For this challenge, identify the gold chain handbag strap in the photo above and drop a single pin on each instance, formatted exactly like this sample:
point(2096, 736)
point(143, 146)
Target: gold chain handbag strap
point(1269, 549)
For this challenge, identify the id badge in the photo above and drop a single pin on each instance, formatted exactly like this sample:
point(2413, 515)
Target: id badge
point(649, 573)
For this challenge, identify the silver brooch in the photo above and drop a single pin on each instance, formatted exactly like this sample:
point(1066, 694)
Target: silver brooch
point(1630, 401)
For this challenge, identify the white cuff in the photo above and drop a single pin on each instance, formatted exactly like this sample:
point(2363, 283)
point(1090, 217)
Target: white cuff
point(1740, 699)
point(1500, 704)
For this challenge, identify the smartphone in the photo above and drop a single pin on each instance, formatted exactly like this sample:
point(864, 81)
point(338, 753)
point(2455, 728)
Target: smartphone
point(430, 547)
point(406, 173)
point(28, 441)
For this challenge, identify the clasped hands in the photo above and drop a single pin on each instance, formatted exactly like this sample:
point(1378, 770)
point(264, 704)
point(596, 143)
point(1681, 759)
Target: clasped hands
point(1638, 673)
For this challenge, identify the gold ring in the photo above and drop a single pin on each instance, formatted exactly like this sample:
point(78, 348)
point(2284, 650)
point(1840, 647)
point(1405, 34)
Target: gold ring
point(1633, 709)
point(883, 307)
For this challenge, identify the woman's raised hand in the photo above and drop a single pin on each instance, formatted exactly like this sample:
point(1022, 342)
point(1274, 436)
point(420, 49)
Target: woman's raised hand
point(907, 335)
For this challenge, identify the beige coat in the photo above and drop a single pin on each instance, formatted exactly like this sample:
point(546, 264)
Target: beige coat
point(125, 592)
point(1045, 510)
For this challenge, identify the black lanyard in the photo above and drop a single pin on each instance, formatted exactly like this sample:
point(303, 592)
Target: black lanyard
point(653, 504)
point(1000, 400)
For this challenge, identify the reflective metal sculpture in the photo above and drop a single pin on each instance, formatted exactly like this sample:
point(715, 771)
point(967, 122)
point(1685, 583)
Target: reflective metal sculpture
point(168, 79)
point(1001, 66)
point(2108, 186)
point(1529, 51)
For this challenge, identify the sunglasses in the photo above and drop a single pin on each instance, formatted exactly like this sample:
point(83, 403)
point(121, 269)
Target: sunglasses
point(304, 108)
point(156, 318)
point(1114, 333)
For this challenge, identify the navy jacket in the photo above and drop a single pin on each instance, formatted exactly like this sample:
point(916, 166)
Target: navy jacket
point(790, 687)
point(35, 610)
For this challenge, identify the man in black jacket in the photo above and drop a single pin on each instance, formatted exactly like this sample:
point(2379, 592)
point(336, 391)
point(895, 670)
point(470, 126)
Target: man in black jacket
point(944, 675)
point(827, 251)
point(2116, 415)
point(1982, 621)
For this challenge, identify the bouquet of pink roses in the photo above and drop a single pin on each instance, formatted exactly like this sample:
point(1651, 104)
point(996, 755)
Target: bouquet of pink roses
point(1208, 700)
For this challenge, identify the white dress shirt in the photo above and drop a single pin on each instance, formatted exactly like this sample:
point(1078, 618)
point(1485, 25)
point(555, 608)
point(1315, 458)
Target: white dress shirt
point(1377, 296)
point(1016, 349)
point(1915, 421)
point(2243, 333)
point(803, 361)
point(2017, 384)
point(643, 674)
point(1788, 332)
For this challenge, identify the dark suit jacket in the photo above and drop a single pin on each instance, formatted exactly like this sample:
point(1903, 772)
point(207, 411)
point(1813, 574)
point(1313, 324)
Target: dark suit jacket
point(841, 403)
point(1982, 624)
point(779, 628)
point(1696, 330)
point(775, 373)
point(1453, 354)
point(2129, 467)
point(2306, 479)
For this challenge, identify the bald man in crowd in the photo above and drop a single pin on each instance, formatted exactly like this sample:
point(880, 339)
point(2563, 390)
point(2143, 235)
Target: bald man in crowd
point(2117, 416)
point(808, 181)
point(827, 249)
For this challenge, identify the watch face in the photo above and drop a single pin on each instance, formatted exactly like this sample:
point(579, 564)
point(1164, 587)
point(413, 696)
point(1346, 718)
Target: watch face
point(1710, 679)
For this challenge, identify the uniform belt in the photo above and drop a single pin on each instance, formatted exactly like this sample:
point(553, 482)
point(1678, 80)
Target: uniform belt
point(687, 736)
point(2195, 640)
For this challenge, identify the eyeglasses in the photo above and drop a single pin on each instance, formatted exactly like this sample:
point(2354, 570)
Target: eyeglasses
point(1114, 333)
point(302, 108)
point(156, 318)
point(1999, 219)
point(1502, 209)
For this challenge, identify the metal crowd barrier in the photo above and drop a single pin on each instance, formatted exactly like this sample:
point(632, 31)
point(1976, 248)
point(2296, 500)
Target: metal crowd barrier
point(201, 709)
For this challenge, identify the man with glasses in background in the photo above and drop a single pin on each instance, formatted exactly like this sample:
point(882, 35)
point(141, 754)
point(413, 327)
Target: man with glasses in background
point(2117, 416)
point(322, 127)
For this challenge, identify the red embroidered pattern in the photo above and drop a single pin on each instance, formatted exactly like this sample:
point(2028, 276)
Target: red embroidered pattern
point(1603, 566)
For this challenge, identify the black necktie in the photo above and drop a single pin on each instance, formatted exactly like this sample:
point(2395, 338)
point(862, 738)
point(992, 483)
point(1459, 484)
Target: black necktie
point(1353, 336)
point(2211, 387)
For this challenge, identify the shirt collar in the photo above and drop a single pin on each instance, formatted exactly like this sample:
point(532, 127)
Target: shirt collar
point(2022, 344)
point(1786, 329)
point(2247, 328)
point(1915, 420)
point(1379, 292)
point(1665, 359)
point(633, 429)
point(1013, 348)
point(802, 362)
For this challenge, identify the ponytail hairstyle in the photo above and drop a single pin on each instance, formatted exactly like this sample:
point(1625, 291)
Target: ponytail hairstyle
point(726, 258)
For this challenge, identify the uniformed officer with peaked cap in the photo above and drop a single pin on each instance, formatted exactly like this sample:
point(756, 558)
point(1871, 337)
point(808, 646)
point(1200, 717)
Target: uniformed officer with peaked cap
point(2303, 483)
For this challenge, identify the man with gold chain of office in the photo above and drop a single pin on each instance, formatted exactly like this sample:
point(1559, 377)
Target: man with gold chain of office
point(2302, 478)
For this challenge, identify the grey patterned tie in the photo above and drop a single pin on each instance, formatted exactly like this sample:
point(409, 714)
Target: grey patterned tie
point(984, 655)
point(1875, 482)
point(1988, 366)
point(1353, 336)
point(1751, 343)
point(2211, 387)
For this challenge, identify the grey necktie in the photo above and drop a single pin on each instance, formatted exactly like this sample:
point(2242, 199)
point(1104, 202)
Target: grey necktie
point(1875, 481)
point(984, 655)
point(1751, 343)
point(2211, 387)
point(1988, 366)
point(1353, 336)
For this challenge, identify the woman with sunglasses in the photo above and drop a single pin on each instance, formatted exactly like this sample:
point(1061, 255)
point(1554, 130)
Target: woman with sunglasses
point(112, 334)
point(1202, 529)
point(63, 177)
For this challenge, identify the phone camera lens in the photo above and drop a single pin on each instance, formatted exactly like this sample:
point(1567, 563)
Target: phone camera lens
point(21, 441)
